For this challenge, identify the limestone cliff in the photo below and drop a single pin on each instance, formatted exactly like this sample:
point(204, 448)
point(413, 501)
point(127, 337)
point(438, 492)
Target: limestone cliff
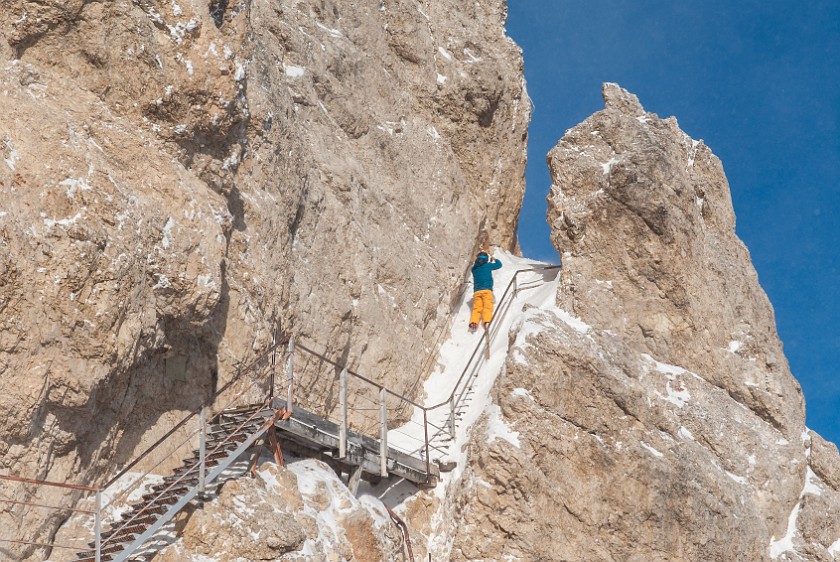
point(656, 415)
point(181, 177)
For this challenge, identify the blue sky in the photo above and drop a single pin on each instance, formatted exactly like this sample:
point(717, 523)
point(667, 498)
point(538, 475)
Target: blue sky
point(759, 82)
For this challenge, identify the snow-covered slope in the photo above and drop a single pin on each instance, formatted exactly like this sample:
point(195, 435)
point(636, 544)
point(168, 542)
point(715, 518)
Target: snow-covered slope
point(536, 290)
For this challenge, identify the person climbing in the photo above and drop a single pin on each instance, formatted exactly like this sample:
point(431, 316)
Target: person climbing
point(482, 271)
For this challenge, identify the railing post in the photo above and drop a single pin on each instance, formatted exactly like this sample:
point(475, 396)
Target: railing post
point(202, 450)
point(97, 527)
point(342, 436)
point(426, 439)
point(290, 374)
point(273, 365)
point(452, 417)
point(383, 434)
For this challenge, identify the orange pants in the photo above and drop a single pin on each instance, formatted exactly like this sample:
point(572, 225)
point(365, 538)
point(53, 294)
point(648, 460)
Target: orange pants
point(482, 307)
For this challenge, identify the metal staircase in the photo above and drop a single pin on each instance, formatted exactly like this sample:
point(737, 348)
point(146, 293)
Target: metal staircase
point(230, 435)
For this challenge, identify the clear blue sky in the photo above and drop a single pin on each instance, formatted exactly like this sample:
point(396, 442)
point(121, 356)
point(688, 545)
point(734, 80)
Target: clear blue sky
point(759, 82)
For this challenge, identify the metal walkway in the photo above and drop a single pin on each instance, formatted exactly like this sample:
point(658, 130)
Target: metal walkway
point(344, 435)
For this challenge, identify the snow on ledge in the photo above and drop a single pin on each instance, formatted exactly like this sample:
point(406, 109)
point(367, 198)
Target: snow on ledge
point(785, 544)
point(834, 548)
point(498, 429)
point(653, 451)
point(574, 322)
point(524, 392)
point(293, 71)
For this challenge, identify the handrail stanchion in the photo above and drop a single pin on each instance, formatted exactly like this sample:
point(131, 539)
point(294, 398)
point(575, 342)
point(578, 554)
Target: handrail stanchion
point(426, 438)
point(383, 433)
point(342, 438)
point(290, 374)
point(452, 417)
point(202, 448)
point(273, 364)
point(97, 527)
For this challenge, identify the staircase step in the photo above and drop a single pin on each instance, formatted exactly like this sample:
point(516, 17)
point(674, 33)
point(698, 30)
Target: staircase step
point(175, 492)
point(179, 487)
point(144, 521)
point(227, 428)
point(135, 527)
point(92, 558)
point(227, 446)
point(108, 553)
point(190, 480)
point(242, 425)
point(146, 509)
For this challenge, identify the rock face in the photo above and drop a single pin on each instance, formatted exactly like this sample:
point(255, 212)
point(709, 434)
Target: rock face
point(179, 178)
point(305, 513)
point(655, 412)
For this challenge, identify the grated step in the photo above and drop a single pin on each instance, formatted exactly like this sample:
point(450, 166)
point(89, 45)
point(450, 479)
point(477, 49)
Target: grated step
point(176, 492)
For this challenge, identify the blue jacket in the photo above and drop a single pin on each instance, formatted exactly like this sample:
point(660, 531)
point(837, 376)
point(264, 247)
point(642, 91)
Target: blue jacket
point(483, 274)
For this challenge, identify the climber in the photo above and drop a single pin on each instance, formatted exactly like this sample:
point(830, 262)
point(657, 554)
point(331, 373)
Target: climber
point(482, 271)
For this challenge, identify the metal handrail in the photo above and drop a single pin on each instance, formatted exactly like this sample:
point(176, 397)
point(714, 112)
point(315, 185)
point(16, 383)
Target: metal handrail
point(493, 330)
point(240, 372)
point(356, 375)
point(379, 386)
point(53, 507)
point(177, 481)
point(169, 433)
point(47, 483)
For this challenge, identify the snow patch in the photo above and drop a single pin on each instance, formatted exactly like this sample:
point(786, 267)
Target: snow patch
point(239, 73)
point(607, 166)
point(333, 32)
point(167, 233)
point(685, 434)
point(574, 322)
point(736, 478)
point(734, 346)
point(441, 79)
point(74, 185)
point(692, 153)
point(162, 283)
point(471, 58)
point(444, 53)
point(178, 31)
point(524, 392)
point(497, 428)
point(49, 223)
point(293, 71)
point(812, 483)
point(652, 450)
point(678, 397)
point(13, 155)
point(785, 544)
